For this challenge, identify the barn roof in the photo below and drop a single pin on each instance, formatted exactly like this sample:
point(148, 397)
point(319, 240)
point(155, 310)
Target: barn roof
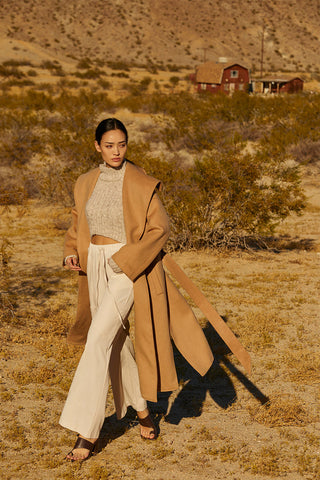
point(211, 72)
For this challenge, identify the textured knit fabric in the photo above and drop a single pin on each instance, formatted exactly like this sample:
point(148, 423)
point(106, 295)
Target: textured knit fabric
point(115, 267)
point(104, 209)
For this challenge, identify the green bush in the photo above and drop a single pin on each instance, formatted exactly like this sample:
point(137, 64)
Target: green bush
point(248, 194)
point(227, 198)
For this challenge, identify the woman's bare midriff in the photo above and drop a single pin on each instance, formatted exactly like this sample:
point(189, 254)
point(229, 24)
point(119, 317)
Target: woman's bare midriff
point(101, 240)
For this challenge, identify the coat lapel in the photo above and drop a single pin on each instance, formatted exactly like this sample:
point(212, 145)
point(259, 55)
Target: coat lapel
point(136, 195)
point(84, 233)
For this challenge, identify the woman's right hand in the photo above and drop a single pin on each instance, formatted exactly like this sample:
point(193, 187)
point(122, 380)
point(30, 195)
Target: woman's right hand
point(72, 263)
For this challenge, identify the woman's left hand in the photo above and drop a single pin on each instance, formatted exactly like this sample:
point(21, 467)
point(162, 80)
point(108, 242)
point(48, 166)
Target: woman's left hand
point(72, 263)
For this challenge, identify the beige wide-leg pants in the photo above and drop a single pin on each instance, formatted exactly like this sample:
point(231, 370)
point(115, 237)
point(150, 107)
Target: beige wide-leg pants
point(108, 353)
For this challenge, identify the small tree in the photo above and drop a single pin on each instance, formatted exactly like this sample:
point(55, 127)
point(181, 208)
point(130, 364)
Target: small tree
point(226, 197)
point(247, 194)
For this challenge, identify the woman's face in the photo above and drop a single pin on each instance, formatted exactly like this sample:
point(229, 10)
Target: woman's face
point(113, 147)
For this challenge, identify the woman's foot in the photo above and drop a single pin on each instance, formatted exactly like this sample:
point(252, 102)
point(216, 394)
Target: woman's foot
point(82, 450)
point(148, 429)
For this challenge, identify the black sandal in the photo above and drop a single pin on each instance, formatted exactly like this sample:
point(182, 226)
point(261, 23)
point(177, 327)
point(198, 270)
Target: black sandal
point(148, 422)
point(82, 443)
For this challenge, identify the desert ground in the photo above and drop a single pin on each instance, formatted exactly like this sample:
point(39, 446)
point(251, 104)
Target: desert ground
point(226, 425)
point(229, 424)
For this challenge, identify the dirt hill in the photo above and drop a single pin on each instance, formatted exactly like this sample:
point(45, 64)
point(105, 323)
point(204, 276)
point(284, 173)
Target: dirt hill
point(160, 31)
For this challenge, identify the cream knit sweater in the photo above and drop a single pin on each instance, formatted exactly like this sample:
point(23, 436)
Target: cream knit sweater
point(104, 209)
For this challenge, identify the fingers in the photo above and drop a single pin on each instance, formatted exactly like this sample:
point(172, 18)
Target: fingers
point(75, 267)
point(72, 263)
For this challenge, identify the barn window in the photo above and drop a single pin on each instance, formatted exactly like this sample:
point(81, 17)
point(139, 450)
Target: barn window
point(234, 73)
point(241, 86)
point(203, 86)
point(213, 85)
point(226, 87)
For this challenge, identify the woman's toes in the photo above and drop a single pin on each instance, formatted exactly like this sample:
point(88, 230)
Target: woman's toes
point(147, 432)
point(78, 454)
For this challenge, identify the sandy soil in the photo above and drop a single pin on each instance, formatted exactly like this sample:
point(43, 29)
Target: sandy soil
point(216, 427)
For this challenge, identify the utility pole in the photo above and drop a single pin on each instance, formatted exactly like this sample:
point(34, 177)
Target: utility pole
point(262, 50)
point(204, 53)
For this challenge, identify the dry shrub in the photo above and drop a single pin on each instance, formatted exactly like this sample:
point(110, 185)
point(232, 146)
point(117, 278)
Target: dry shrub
point(17, 63)
point(308, 463)
point(101, 472)
point(54, 181)
point(119, 65)
point(266, 461)
point(65, 355)
point(7, 296)
point(229, 194)
point(281, 410)
point(225, 196)
point(54, 322)
point(11, 71)
point(248, 194)
point(162, 451)
point(35, 374)
point(20, 143)
point(12, 191)
point(225, 450)
point(15, 433)
point(306, 152)
point(203, 434)
point(61, 219)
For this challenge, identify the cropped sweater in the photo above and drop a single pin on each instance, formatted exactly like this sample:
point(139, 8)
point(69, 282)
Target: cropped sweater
point(104, 209)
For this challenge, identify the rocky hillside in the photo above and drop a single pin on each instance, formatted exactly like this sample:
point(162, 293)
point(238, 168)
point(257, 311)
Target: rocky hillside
point(182, 32)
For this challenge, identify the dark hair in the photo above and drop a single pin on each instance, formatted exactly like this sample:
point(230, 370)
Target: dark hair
point(107, 125)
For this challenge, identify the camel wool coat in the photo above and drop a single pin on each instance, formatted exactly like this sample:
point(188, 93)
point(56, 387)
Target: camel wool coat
point(161, 312)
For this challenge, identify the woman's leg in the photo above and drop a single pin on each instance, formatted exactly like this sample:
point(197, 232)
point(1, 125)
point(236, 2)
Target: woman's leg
point(84, 410)
point(129, 384)
point(125, 383)
point(111, 297)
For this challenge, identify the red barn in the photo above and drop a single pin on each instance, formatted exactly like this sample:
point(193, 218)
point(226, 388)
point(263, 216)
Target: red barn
point(221, 77)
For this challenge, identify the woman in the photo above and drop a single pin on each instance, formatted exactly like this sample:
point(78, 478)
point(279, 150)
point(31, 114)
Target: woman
point(118, 232)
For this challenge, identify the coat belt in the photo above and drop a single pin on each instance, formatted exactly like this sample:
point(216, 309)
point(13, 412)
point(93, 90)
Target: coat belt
point(207, 309)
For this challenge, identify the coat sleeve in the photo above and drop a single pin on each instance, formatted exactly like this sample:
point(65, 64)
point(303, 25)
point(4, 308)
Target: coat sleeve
point(134, 258)
point(70, 241)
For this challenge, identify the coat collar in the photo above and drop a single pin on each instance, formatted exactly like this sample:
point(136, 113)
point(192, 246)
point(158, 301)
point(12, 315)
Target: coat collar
point(138, 188)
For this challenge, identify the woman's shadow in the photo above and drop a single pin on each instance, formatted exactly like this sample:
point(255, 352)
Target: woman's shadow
point(189, 401)
point(217, 382)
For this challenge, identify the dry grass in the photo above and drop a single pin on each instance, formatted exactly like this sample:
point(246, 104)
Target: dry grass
point(265, 426)
point(303, 365)
point(281, 411)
